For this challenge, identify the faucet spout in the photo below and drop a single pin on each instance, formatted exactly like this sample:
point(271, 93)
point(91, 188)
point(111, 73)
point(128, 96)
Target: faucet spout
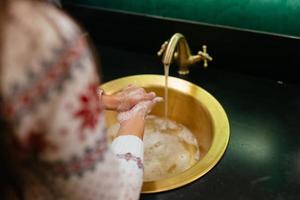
point(178, 49)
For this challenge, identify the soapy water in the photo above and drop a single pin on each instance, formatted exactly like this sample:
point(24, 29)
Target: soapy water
point(167, 150)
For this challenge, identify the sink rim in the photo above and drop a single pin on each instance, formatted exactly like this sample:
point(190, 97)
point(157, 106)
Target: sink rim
point(219, 121)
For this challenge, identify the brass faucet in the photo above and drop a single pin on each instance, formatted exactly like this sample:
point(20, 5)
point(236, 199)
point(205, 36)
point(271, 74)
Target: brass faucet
point(178, 48)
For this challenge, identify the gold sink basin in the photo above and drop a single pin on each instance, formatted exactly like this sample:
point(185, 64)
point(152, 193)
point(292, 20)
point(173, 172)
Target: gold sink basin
point(191, 106)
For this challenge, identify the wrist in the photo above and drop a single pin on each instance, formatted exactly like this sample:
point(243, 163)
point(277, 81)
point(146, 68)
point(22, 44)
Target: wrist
point(133, 126)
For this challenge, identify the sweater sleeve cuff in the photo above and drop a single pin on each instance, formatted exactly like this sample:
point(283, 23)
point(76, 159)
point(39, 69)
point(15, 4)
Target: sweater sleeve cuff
point(128, 144)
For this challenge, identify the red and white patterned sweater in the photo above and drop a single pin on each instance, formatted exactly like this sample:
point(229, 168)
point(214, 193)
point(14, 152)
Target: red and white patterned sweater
point(48, 87)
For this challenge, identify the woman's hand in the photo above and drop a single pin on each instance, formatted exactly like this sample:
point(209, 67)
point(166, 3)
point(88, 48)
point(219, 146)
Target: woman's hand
point(132, 121)
point(141, 109)
point(126, 99)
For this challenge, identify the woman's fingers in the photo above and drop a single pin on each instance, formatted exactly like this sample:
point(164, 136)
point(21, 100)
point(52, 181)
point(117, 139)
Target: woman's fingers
point(158, 99)
point(142, 108)
point(148, 96)
point(131, 96)
point(152, 103)
point(130, 87)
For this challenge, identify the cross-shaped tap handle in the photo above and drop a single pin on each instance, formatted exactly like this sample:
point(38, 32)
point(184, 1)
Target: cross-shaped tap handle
point(162, 48)
point(205, 56)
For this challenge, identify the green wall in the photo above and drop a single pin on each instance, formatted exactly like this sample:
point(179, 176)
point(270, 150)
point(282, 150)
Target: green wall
point(275, 16)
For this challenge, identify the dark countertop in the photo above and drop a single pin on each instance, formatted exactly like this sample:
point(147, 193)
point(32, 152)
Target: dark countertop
point(262, 160)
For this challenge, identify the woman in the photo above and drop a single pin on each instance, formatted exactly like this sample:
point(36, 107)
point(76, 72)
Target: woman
point(54, 144)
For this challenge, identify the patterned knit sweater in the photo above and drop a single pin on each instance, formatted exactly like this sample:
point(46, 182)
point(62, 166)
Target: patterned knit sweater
point(48, 88)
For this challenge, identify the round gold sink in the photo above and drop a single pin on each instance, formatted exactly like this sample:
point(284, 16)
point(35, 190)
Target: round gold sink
point(191, 106)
